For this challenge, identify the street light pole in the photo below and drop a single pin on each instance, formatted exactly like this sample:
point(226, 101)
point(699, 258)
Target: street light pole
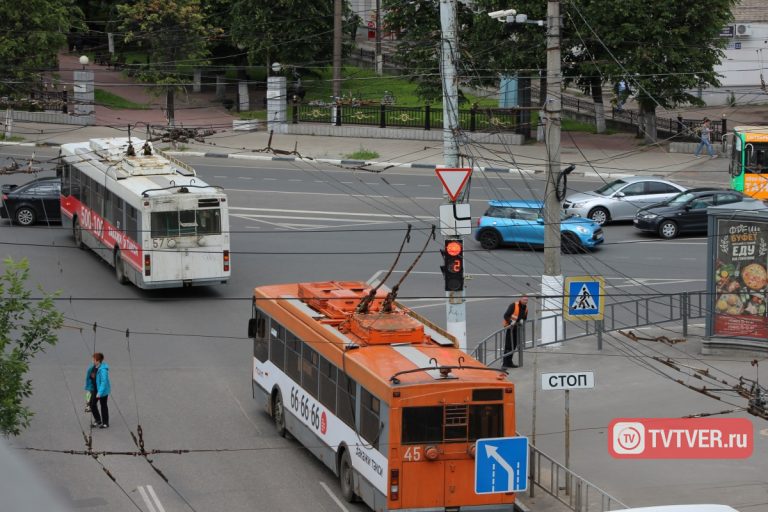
point(337, 39)
point(552, 278)
point(456, 314)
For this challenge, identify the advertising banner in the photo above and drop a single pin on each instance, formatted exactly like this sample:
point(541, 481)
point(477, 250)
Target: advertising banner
point(741, 279)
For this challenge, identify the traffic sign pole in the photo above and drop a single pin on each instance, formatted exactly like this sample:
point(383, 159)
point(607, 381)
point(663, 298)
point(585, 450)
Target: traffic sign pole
point(454, 181)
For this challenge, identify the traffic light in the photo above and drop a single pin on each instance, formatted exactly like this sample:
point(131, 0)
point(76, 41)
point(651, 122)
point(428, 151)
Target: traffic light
point(453, 269)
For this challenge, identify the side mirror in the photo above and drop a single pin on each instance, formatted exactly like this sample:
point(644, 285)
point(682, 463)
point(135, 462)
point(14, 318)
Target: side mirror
point(252, 328)
point(619, 195)
point(540, 220)
point(688, 207)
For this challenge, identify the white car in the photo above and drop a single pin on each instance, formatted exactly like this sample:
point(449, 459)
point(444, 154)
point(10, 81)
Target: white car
point(621, 198)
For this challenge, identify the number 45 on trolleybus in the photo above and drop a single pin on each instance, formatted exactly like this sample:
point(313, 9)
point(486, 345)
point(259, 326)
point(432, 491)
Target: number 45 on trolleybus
point(379, 394)
point(748, 166)
point(145, 213)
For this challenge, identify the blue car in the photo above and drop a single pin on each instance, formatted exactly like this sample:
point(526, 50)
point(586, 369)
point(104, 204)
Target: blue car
point(521, 222)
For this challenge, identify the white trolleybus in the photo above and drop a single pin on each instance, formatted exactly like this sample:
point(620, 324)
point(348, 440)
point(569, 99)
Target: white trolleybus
point(145, 213)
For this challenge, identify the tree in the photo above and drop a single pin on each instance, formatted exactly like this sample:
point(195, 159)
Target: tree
point(662, 48)
point(174, 33)
point(32, 33)
point(27, 326)
point(293, 32)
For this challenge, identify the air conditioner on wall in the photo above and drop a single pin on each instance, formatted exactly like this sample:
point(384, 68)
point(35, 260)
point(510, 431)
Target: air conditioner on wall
point(743, 30)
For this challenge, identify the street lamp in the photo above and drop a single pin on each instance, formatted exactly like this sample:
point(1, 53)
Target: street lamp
point(277, 67)
point(84, 60)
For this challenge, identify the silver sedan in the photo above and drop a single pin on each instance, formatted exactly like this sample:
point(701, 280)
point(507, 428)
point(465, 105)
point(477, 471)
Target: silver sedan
point(621, 198)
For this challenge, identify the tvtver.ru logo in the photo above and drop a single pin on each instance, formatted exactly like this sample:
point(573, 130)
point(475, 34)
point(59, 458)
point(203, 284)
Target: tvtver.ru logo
point(681, 438)
point(628, 437)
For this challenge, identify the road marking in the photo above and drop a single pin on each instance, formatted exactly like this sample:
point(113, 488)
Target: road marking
point(244, 178)
point(334, 497)
point(295, 179)
point(144, 497)
point(221, 177)
point(347, 182)
point(150, 499)
point(154, 497)
point(665, 242)
point(423, 185)
point(336, 194)
point(269, 179)
point(317, 212)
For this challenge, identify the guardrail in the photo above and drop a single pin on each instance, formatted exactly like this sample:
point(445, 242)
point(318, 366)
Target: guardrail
point(567, 487)
point(657, 309)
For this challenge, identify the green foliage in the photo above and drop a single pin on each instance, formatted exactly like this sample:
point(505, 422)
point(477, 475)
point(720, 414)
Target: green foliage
point(171, 32)
point(292, 32)
point(32, 33)
point(27, 326)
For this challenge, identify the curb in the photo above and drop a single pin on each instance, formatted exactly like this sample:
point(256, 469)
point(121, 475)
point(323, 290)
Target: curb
point(333, 161)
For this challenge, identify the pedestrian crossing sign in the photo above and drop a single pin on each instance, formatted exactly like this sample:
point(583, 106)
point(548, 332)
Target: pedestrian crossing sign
point(584, 298)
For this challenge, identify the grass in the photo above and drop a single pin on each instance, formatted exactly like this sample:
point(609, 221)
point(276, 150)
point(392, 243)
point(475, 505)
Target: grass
point(253, 114)
point(12, 138)
point(110, 100)
point(362, 154)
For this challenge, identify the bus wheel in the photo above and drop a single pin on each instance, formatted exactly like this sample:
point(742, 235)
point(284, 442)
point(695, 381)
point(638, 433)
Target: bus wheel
point(77, 234)
point(278, 413)
point(346, 478)
point(119, 268)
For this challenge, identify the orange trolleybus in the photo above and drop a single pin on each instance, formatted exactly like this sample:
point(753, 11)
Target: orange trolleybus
point(382, 396)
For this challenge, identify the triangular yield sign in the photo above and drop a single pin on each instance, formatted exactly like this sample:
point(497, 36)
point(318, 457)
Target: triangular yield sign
point(453, 180)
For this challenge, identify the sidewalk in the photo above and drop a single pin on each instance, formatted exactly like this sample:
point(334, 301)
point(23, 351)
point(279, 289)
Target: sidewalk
point(195, 109)
point(626, 388)
point(600, 156)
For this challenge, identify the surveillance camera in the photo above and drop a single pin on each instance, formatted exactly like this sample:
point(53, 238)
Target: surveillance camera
point(501, 15)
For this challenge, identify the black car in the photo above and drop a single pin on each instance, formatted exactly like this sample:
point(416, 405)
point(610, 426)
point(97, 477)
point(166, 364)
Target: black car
point(36, 201)
point(684, 213)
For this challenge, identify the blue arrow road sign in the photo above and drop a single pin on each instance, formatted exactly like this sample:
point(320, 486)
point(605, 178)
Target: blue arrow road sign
point(501, 465)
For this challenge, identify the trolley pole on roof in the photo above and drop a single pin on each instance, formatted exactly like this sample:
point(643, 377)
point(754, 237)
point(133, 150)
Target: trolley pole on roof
point(552, 278)
point(456, 314)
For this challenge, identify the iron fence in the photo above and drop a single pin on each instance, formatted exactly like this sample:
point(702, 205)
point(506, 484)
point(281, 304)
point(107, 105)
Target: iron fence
point(426, 117)
point(573, 491)
point(657, 309)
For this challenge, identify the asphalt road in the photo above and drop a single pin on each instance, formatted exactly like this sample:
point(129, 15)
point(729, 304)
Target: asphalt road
point(182, 371)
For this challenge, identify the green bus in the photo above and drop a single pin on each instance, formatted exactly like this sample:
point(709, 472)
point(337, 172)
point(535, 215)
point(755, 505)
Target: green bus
point(748, 163)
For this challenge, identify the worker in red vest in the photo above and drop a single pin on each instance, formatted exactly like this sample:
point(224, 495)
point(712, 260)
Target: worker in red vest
point(516, 314)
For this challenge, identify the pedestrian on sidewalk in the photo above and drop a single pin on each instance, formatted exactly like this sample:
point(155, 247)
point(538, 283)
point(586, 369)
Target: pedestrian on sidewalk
point(97, 384)
point(705, 134)
point(516, 314)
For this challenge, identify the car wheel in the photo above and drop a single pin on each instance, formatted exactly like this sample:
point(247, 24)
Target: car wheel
point(346, 478)
point(570, 244)
point(120, 268)
point(599, 215)
point(25, 216)
point(278, 413)
point(668, 229)
point(490, 239)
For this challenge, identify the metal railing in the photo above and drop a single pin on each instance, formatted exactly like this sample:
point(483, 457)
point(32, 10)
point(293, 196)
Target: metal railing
point(644, 311)
point(567, 487)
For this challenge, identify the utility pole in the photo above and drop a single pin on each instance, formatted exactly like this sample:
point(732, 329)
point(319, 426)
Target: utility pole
point(456, 314)
point(337, 37)
point(552, 279)
point(379, 55)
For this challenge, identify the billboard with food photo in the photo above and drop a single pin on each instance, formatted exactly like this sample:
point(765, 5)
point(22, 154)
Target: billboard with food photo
point(741, 279)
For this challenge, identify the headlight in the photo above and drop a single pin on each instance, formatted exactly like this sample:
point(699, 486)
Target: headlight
point(582, 230)
point(646, 215)
point(578, 205)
